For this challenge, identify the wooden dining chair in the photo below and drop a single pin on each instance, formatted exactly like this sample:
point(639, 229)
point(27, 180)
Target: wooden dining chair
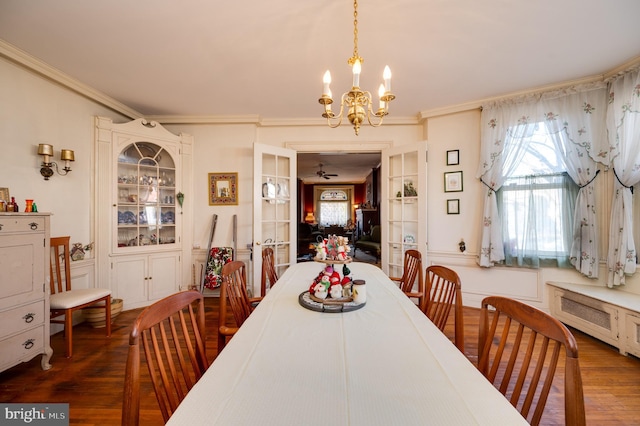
point(525, 374)
point(443, 292)
point(64, 300)
point(171, 333)
point(412, 271)
point(269, 274)
point(234, 292)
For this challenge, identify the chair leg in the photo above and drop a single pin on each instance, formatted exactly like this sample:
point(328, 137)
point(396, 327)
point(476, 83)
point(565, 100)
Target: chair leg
point(222, 341)
point(68, 332)
point(107, 307)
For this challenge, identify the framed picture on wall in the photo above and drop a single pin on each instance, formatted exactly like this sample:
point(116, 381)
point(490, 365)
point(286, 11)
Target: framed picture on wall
point(453, 182)
point(453, 206)
point(223, 189)
point(453, 157)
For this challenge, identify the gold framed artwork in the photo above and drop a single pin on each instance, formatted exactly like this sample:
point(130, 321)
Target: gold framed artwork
point(223, 189)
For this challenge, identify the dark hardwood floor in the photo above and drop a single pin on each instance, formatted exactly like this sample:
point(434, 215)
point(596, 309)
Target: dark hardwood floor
point(92, 381)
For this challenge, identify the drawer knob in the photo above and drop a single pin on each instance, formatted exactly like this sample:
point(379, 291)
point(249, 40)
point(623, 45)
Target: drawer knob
point(33, 226)
point(29, 317)
point(29, 344)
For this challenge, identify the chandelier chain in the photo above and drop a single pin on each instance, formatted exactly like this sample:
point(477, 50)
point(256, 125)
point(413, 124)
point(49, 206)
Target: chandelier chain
point(356, 104)
point(355, 31)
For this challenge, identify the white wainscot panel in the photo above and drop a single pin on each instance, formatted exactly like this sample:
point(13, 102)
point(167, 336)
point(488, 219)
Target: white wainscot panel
point(477, 282)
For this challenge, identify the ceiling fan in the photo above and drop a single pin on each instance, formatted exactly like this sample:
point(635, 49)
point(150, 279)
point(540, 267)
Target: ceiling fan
point(321, 173)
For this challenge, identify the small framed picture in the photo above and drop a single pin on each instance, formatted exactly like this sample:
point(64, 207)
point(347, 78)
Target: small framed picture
point(453, 157)
point(453, 206)
point(453, 182)
point(223, 189)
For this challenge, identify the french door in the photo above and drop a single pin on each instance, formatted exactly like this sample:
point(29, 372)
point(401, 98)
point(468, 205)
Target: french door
point(274, 207)
point(403, 212)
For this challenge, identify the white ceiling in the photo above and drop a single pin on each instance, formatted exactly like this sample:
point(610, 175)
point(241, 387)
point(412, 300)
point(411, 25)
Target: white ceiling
point(267, 58)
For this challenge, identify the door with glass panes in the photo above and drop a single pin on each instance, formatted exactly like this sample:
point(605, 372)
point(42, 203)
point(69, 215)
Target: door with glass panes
point(404, 209)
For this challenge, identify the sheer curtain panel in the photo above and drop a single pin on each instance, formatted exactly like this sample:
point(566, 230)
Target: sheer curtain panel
point(623, 125)
point(574, 120)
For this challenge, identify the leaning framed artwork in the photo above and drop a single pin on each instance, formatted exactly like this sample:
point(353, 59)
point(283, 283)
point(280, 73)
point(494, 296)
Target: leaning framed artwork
point(223, 189)
point(453, 182)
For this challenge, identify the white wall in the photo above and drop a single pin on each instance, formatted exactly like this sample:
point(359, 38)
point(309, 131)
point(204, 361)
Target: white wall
point(34, 110)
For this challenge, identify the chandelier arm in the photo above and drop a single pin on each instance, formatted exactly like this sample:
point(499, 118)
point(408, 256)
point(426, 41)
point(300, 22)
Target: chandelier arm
point(370, 114)
point(337, 119)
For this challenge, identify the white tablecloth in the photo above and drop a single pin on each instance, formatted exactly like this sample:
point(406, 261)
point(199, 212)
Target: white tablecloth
point(384, 364)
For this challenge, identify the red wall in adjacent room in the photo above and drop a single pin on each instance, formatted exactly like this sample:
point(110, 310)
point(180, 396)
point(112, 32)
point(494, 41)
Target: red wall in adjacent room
point(307, 196)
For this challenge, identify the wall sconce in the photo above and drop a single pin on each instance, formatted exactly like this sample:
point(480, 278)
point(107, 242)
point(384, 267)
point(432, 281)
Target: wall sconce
point(46, 151)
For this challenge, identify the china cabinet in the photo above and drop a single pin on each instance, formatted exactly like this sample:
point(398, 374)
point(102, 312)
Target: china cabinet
point(143, 176)
point(24, 294)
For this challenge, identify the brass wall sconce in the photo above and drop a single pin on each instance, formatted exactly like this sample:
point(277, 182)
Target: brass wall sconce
point(46, 151)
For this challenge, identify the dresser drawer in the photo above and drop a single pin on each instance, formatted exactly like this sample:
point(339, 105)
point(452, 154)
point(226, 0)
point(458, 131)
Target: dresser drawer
point(22, 347)
point(21, 318)
point(12, 224)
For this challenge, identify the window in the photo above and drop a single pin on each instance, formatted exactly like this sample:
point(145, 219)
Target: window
point(536, 203)
point(333, 205)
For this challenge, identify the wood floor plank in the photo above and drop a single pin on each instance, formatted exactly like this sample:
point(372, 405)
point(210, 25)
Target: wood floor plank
point(92, 381)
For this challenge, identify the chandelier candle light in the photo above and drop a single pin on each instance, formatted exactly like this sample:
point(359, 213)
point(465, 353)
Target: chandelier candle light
point(358, 102)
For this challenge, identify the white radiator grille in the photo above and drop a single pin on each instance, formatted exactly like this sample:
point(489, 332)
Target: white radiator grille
point(587, 313)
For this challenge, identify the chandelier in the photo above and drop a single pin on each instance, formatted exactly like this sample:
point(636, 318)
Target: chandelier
point(358, 103)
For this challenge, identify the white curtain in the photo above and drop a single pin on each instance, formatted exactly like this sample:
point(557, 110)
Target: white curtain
point(575, 119)
point(504, 125)
point(576, 123)
point(623, 125)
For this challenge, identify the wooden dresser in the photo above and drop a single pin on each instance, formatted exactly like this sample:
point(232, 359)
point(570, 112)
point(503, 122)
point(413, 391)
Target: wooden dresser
point(24, 296)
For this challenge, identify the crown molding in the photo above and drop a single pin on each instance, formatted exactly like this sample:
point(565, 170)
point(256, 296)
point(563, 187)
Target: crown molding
point(468, 106)
point(45, 70)
point(206, 119)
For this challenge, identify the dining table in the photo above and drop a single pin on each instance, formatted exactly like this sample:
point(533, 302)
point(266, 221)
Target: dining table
point(384, 363)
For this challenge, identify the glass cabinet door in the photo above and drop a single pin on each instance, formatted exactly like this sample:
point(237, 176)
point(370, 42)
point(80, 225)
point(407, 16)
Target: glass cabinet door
point(146, 196)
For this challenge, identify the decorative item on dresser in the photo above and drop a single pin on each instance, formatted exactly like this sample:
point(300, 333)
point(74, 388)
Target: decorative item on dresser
point(24, 300)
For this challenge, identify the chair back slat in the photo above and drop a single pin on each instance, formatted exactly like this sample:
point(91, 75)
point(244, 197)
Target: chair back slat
point(412, 268)
point(172, 336)
point(444, 292)
point(269, 274)
point(59, 265)
point(519, 350)
point(234, 277)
